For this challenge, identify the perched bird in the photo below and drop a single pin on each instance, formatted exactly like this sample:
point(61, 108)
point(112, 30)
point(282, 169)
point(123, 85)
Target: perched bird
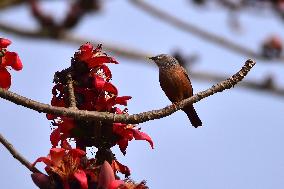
point(176, 84)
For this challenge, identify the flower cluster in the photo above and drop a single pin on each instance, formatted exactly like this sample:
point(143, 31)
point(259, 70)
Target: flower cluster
point(69, 167)
point(7, 58)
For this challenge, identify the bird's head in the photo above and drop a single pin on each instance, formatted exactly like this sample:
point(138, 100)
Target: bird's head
point(164, 60)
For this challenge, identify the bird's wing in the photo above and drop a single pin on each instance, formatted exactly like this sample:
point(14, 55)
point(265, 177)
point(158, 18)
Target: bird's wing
point(185, 73)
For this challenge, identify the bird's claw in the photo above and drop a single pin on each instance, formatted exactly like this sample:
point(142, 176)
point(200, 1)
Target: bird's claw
point(175, 104)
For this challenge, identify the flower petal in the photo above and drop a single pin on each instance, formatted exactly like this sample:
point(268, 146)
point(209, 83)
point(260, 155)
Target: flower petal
point(65, 144)
point(99, 83)
point(5, 78)
point(108, 87)
point(81, 176)
point(106, 71)
point(56, 155)
point(117, 110)
point(77, 153)
point(138, 135)
point(41, 180)
point(121, 168)
point(50, 116)
point(106, 176)
point(122, 100)
point(59, 102)
point(86, 52)
point(12, 59)
point(109, 104)
point(4, 43)
point(119, 128)
point(45, 160)
point(66, 125)
point(123, 143)
point(55, 137)
point(100, 60)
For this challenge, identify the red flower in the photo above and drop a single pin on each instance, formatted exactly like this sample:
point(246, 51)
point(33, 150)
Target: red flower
point(7, 58)
point(100, 85)
point(93, 57)
point(62, 132)
point(93, 92)
point(116, 166)
point(4, 43)
point(127, 133)
point(66, 164)
point(85, 52)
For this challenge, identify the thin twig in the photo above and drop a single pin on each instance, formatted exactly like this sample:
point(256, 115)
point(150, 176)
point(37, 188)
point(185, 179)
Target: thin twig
point(190, 28)
point(69, 38)
point(71, 94)
point(263, 86)
point(122, 118)
point(17, 155)
point(137, 54)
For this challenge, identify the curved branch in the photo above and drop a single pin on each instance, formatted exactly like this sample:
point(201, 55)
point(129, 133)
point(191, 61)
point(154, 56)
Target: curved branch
point(17, 155)
point(267, 85)
point(190, 28)
point(122, 118)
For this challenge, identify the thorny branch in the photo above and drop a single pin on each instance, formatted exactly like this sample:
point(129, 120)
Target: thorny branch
point(132, 53)
point(199, 32)
point(17, 155)
point(122, 118)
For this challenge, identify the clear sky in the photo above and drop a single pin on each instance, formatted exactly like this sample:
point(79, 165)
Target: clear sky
point(241, 143)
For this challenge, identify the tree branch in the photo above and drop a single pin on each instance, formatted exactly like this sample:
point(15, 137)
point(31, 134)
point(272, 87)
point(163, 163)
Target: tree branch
point(9, 3)
point(17, 155)
point(190, 28)
point(122, 118)
point(267, 85)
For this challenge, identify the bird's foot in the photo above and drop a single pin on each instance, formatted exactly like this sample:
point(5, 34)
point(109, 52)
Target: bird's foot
point(175, 105)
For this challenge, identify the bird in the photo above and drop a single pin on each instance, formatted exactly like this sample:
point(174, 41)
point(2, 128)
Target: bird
point(176, 84)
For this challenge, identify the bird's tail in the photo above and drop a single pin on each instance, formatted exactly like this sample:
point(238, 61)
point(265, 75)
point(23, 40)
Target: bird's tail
point(192, 116)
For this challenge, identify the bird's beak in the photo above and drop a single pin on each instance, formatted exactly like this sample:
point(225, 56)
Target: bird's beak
point(152, 58)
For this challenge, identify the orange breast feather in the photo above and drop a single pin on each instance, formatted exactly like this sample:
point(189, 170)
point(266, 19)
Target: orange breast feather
point(175, 84)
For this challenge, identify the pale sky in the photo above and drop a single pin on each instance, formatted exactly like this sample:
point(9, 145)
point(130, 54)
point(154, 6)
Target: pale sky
point(240, 145)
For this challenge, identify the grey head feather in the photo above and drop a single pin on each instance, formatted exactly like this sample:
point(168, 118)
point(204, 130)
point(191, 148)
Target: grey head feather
point(164, 61)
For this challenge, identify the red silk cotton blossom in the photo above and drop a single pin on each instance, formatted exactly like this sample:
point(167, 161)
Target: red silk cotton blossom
point(7, 58)
point(70, 168)
point(65, 163)
point(94, 92)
